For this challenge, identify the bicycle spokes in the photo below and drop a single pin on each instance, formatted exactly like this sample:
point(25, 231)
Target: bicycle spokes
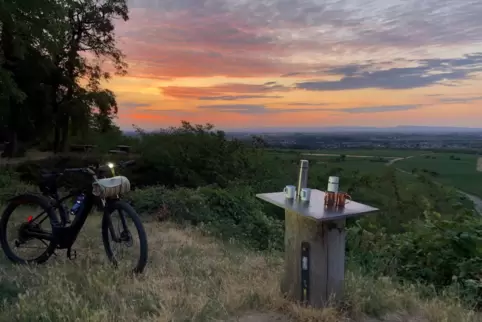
point(122, 241)
point(126, 237)
point(28, 237)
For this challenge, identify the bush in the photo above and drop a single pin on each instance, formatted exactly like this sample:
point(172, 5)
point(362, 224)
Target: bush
point(233, 213)
point(30, 171)
point(193, 156)
point(438, 251)
point(187, 156)
point(10, 185)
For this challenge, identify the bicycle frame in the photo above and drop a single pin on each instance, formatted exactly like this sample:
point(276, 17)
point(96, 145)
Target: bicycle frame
point(65, 236)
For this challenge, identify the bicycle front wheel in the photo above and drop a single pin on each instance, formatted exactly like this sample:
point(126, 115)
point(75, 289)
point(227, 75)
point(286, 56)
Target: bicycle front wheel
point(123, 233)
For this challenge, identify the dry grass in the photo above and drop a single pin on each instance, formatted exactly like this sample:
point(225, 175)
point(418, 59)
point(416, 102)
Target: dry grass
point(192, 277)
point(30, 155)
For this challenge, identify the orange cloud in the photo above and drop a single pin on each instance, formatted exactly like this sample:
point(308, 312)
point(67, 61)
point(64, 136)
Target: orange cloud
point(224, 91)
point(340, 65)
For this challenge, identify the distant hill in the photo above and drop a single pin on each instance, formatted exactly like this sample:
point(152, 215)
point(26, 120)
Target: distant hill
point(364, 129)
point(351, 129)
point(130, 133)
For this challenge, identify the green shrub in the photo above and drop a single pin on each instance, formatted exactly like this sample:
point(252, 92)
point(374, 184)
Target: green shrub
point(187, 156)
point(193, 156)
point(30, 171)
point(233, 213)
point(438, 251)
point(10, 185)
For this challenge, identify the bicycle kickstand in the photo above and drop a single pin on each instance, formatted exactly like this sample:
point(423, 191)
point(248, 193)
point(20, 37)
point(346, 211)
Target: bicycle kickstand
point(71, 253)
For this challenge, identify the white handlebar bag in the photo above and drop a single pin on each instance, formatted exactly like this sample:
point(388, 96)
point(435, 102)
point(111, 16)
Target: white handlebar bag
point(111, 187)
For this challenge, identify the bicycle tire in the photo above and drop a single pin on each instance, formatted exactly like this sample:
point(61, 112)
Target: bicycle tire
point(19, 200)
point(126, 209)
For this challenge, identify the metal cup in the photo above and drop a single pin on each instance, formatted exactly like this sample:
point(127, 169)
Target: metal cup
point(341, 199)
point(330, 198)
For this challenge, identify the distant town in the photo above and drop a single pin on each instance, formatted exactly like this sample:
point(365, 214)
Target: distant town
point(405, 137)
point(468, 142)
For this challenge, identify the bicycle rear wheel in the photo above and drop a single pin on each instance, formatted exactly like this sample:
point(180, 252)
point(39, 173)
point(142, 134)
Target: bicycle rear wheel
point(32, 220)
point(116, 233)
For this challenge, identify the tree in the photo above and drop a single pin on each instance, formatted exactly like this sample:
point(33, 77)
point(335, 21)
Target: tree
point(258, 142)
point(52, 62)
point(90, 33)
point(26, 27)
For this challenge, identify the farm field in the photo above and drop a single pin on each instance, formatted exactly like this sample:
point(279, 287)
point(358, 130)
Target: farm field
point(361, 160)
point(457, 170)
point(392, 153)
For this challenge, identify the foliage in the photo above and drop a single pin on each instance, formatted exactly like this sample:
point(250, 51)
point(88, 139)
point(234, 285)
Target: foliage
point(193, 156)
point(10, 185)
point(30, 171)
point(51, 54)
point(434, 250)
point(229, 214)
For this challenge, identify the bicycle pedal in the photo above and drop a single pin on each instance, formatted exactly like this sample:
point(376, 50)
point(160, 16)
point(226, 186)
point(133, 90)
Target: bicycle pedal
point(71, 254)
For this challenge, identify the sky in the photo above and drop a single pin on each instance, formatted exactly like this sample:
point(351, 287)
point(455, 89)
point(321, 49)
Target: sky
point(300, 63)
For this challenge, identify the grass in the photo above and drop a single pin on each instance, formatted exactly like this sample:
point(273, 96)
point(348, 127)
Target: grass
point(194, 277)
point(30, 155)
point(461, 173)
point(356, 159)
point(350, 163)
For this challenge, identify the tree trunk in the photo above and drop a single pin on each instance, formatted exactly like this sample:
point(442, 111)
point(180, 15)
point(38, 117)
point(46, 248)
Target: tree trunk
point(11, 149)
point(8, 49)
point(56, 144)
point(65, 133)
point(57, 122)
point(55, 105)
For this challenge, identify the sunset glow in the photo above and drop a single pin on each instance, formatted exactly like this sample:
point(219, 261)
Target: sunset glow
point(301, 63)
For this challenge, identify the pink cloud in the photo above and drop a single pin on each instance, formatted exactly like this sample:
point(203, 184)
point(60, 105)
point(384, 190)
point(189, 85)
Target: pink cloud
point(221, 90)
point(180, 44)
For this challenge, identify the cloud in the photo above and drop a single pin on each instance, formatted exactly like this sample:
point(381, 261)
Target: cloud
point(187, 38)
point(262, 109)
point(227, 92)
point(235, 97)
point(306, 104)
point(237, 108)
point(459, 100)
point(250, 109)
point(258, 109)
point(131, 105)
point(150, 61)
point(428, 72)
point(381, 108)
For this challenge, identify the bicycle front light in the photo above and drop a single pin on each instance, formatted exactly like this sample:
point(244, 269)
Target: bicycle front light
point(111, 166)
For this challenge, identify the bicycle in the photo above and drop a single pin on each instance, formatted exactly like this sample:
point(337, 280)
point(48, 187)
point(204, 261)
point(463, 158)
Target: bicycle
point(104, 193)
